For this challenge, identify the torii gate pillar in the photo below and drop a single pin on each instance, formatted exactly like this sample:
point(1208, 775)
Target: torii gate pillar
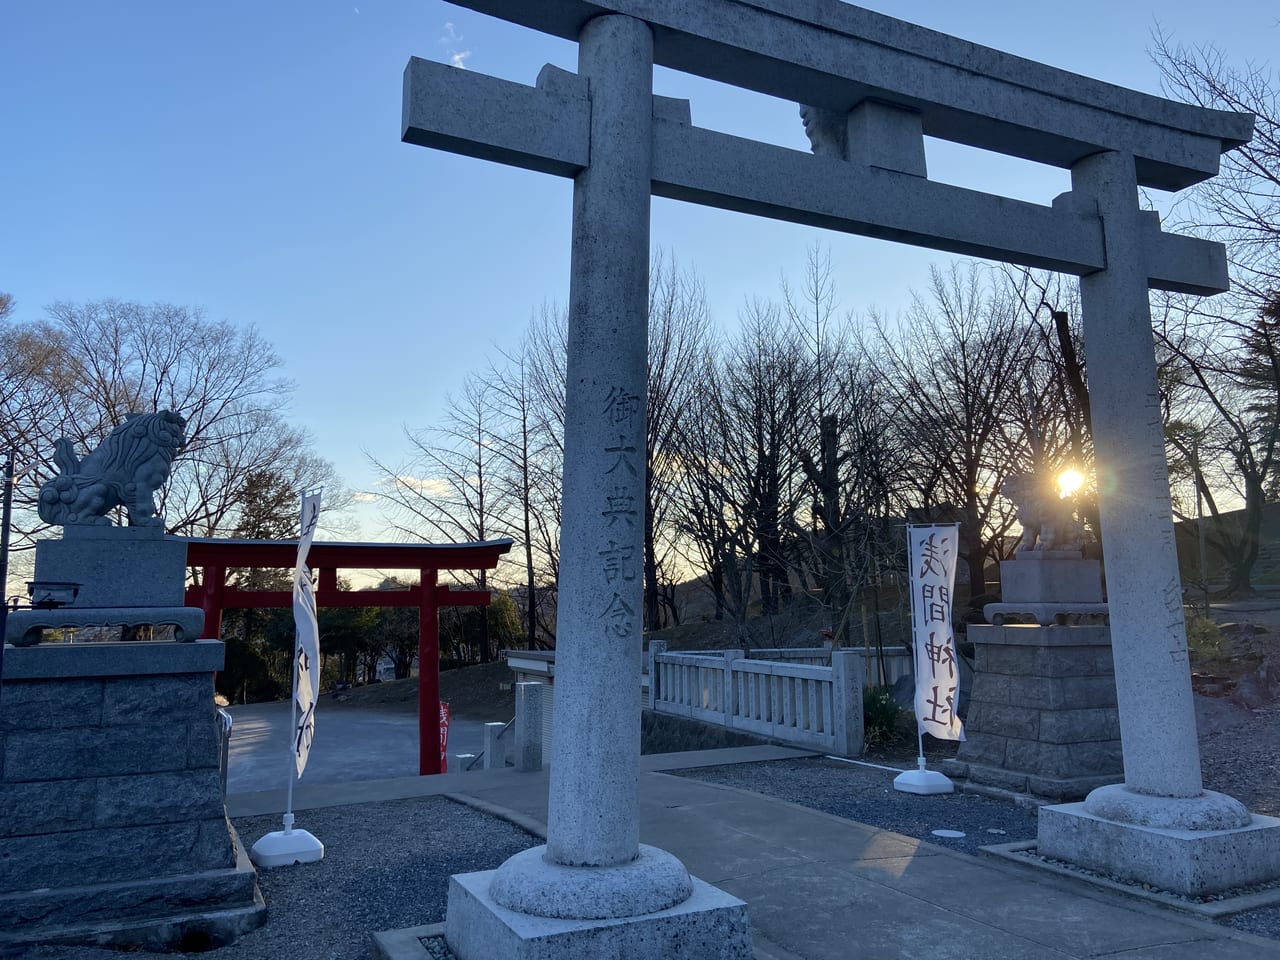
point(603, 892)
point(1160, 826)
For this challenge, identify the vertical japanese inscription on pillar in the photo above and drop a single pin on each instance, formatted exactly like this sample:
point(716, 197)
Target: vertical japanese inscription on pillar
point(621, 506)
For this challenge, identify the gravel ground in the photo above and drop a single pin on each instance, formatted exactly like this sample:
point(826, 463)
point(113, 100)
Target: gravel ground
point(369, 880)
point(1241, 760)
point(866, 794)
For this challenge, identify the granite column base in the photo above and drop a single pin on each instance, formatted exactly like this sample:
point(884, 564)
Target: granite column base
point(708, 925)
point(1190, 862)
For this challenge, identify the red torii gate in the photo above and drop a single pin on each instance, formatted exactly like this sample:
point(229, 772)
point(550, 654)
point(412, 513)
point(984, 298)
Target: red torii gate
point(213, 594)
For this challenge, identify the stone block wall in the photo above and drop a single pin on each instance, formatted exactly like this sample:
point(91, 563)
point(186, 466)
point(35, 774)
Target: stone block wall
point(110, 797)
point(1042, 715)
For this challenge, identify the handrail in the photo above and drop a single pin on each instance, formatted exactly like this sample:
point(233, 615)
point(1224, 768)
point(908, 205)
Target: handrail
point(480, 756)
point(224, 722)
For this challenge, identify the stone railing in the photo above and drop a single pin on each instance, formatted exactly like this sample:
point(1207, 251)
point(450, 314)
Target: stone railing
point(796, 703)
point(897, 660)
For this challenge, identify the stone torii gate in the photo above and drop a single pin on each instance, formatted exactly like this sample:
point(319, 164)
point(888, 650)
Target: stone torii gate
point(873, 87)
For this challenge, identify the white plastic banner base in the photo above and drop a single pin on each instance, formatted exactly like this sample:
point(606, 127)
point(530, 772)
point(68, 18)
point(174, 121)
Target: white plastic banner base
point(283, 848)
point(923, 781)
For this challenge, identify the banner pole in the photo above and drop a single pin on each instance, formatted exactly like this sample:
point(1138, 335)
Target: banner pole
point(293, 728)
point(915, 664)
point(283, 847)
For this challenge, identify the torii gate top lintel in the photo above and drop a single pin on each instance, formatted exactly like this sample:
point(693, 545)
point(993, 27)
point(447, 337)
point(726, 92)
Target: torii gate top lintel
point(833, 54)
point(890, 83)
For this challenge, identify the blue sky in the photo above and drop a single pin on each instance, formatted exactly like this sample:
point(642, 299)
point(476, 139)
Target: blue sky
point(244, 157)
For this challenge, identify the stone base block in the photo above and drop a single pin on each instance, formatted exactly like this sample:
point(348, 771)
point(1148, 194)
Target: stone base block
point(1017, 782)
point(710, 925)
point(193, 911)
point(1188, 862)
point(1042, 718)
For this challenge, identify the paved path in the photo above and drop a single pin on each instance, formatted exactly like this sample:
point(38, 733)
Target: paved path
point(350, 745)
point(822, 888)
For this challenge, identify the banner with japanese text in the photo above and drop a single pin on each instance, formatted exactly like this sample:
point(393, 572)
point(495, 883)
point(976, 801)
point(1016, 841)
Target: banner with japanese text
point(932, 550)
point(306, 658)
point(444, 737)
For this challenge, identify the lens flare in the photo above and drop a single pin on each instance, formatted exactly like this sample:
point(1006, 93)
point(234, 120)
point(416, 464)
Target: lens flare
point(1069, 481)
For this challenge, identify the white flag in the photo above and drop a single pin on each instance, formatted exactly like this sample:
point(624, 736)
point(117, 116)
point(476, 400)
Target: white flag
point(306, 657)
point(931, 554)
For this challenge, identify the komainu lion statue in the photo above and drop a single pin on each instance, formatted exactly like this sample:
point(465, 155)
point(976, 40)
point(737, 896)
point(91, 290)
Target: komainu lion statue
point(125, 471)
point(1047, 520)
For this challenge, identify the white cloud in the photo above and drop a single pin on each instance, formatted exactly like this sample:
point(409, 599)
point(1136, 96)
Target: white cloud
point(364, 496)
point(423, 486)
point(452, 39)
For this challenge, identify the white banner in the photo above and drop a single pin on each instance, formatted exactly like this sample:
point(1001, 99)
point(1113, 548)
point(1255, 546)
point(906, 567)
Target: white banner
point(306, 657)
point(931, 555)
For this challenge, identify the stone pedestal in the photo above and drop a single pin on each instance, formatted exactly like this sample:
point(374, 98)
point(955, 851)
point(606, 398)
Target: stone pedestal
point(117, 566)
point(707, 925)
point(529, 704)
point(128, 576)
point(1042, 716)
point(1049, 585)
point(112, 825)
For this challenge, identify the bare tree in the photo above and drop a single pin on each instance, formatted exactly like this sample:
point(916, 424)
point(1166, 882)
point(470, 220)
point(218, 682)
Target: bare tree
point(1223, 431)
point(446, 490)
point(678, 329)
point(843, 438)
point(521, 441)
point(956, 364)
point(1241, 205)
point(81, 370)
point(712, 497)
point(547, 351)
point(761, 387)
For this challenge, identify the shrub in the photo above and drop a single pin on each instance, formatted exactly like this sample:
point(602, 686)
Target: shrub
point(879, 716)
point(1204, 638)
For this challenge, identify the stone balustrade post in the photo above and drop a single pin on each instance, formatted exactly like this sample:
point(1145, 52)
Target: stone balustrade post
point(847, 677)
point(529, 697)
point(656, 649)
point(730, 701)
point(495, 757)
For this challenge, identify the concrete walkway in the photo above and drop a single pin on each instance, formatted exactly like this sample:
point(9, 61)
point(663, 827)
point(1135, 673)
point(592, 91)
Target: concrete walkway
point(822, 888)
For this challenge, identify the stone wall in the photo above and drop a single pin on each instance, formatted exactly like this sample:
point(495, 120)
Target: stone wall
point(112, 824)
point(1042, 716)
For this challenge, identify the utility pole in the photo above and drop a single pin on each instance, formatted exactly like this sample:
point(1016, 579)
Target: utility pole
point(5, 515)
point(1195, 469)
